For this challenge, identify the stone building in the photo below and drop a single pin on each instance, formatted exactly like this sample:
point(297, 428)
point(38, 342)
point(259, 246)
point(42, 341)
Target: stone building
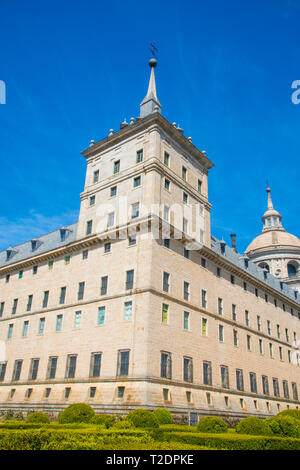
point(137, 304)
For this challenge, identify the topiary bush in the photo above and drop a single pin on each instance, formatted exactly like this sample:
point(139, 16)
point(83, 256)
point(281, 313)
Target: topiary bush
point(291, 413)
point(143, 419)
point(38, 417)
point(164, 416)
point(107, 420)
point(254, 426)
point(284, 426)
point(212, 424)
point(76, 413)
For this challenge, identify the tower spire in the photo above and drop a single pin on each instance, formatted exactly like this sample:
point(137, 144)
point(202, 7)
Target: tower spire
point(270, 203)
point(150, 103)
point(271, 218)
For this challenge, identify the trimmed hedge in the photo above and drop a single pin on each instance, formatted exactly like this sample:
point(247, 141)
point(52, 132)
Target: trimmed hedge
point(233, 441)
point(291, 413)
point(254, 426)
point(107, 420)
point(143, 419)
point(38, 417)
point(76, 413)
point(284, 426)
point(212, 424)
point(164, 416)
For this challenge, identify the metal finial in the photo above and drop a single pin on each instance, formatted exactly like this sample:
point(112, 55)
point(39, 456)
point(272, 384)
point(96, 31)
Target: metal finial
point(153, 48)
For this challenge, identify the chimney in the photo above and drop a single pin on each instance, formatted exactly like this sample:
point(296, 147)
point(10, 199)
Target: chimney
point(233, 242)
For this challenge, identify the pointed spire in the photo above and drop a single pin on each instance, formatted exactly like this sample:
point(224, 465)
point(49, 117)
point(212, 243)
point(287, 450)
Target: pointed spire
point(150, 103)
point(270, 203)
point(271, 218)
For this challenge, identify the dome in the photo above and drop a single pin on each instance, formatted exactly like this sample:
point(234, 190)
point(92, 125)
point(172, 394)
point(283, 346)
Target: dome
point(276, 239)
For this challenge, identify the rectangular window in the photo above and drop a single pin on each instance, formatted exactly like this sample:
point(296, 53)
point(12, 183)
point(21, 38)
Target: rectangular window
point(121, 391)
point(185, 198)
point(286, 392)
point(96, 176)
point(166, 365)
point(33, 370)
point(166, 159)
point(224, 377)
point(2, 308)
point(233, 312)
point(183, 173)
point(166, 213)
point(271, 349)
point(71, 366)
point(101, 316)
point(67, 259)
point(45, 299)
point(80, 290)
point(287, 335)
point(186, 253)
point(186, 320)
point(245, 286)
point(17, 370)
point(95, 366)
point(164, 315)
point(276, 387)
point(253, 384)
point(110, 219)
point(52, 365)
point(258, 323)
point(67, 392)
point(203, 262)
point(34, 270)
point(247, 317)
point(207, 373)
point(2, 370)
point(129, 279)
point(186, 294)
point(188, 369)
point(85, 254)
point(249, 343)
point(20, 274)
point(14, 307)
point(219, 272)
point(41, 326)
point(261, 349)
point(204, 327)
point(265, 385)
point(294, 390)
point(220, 306)
point(62, 296)
point(199, 186)
point(104, 283)
point(167, 184)
point(25, 328)
point(204, 298)
point(239, 380)
point(77, 319)
point(10, 331)
point(128, 311)
point(123, 363)
point(92, 200)
point(89, 226)
point(131, 241)
point(50, 264)
point(185, 225)
point(269, 327)
point(139, 156)
point(136, 181)
point(113, 191)
point(107, 247)
point(280, 353)
point(166, 242)
point(235, 338)
point(221, 333)
point(116, 167)
point(166, 277)
point(232, 279)
point(92, 392)
point(59, 319)
point(135, 210)
point(7, 277)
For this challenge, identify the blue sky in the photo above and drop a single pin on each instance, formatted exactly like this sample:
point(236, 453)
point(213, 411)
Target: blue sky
point(75, 69)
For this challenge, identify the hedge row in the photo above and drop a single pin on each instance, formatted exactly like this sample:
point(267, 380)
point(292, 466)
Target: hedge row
point(232, 441)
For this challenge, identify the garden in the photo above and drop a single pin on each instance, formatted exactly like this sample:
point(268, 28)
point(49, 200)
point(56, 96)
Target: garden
point(79, 428)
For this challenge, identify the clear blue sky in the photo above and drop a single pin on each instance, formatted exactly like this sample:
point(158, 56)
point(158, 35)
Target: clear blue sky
point(75, 69)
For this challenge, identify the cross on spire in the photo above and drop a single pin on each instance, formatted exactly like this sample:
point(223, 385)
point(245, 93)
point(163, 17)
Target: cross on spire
point(153, 48)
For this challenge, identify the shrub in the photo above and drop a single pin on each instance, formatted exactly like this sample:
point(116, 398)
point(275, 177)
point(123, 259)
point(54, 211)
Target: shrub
point(254, 426)
point(76, 413)
point(164, 416)
point(291, 413)
point(212, 424)
point(107, 420)
point(284, 426)
point(38, 417)
point(9, 415)
point(143, 419)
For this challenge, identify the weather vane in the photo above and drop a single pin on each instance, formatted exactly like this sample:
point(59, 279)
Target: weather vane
point(153, 48)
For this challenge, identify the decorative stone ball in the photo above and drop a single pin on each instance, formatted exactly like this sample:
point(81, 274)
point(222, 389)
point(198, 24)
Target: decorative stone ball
point(152, 62)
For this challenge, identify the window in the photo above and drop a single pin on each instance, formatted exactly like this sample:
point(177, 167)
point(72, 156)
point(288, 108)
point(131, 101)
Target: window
point(17, 370)
point(128, 311)
point(67, 392)
point(265, 385)
point(101, 316)
point(34, 270)
point(221, 333)
point(129, 279)
point(245, 286)
point(188, 369)
point(224, 377)
point(235, 338)
point(261, 350)
point(95, 365)
point(7, 277)
point(167, 184)
point(185, 198)
point(166, 278)
point(2, 370)
point(271, 349)
point(280, 352)
point(287, 335)
point(183, 173)
point(80, 293)
point(204, 298)
point(186, 320)
point(59, 319)
point(232, 279)
point(77, 319)
point(207, 373)
point(136, 181)
point(123, 363)
point(25, 328)
point(33, 370)
point(185, 225)
point(135, 210)
point(121, 391)
point(219, 272)
point(28, 392)
point(166, 365)
point(165, 311)
point(239, 380)
point(52, 365)
point(249, 342)
point(104, 283)
point(233, 312)
point(71, 366)
point(199, 186)
point(258, 323)
point(116, 167)
point(92, 392)
point(62, 296)
point(186, 294)
point(186, 253)
point(294, 389)
point(45, 299)
point(96, 176)
point(92, 200)
point(166, 242)
point(166, 159)
point(41, 326)
point(247, 318)
point(20, 274)
point(113, 191)
point(107, 247)
point(131, 241)
point(253, 384)
point(10, 331)
point(89, 226)
point(276, 387)
point(286, 392)
point(256, 292)
point(2, 308)
point(139, 156)
point(203, 262)
point(204, 327)
point(188, 396)
point(50, 264)
point(67, 259)
point(166, 213)
point(110, 219)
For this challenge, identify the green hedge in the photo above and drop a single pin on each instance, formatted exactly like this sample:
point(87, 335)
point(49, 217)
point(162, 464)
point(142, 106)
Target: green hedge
point(232, 441)
point(178, 428)
point(163, 416)
point(212, 424)
point(254, 426)
point(291, 413)
point(76, 413)
point(38, 417)
point(143, 419)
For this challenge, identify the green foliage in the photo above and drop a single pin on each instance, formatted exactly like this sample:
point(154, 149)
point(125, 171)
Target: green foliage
point(212, 424)
point(143, 419)
point(254, 426)
point(107, 420)
point(284, 426)
point(77, 413)
point(291, 413)
point(38, 417)
point(164, 416)
point(9, 415)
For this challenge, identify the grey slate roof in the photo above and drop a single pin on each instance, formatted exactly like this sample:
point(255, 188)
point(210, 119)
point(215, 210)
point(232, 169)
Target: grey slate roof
point(239, 260)
point(45, 243)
